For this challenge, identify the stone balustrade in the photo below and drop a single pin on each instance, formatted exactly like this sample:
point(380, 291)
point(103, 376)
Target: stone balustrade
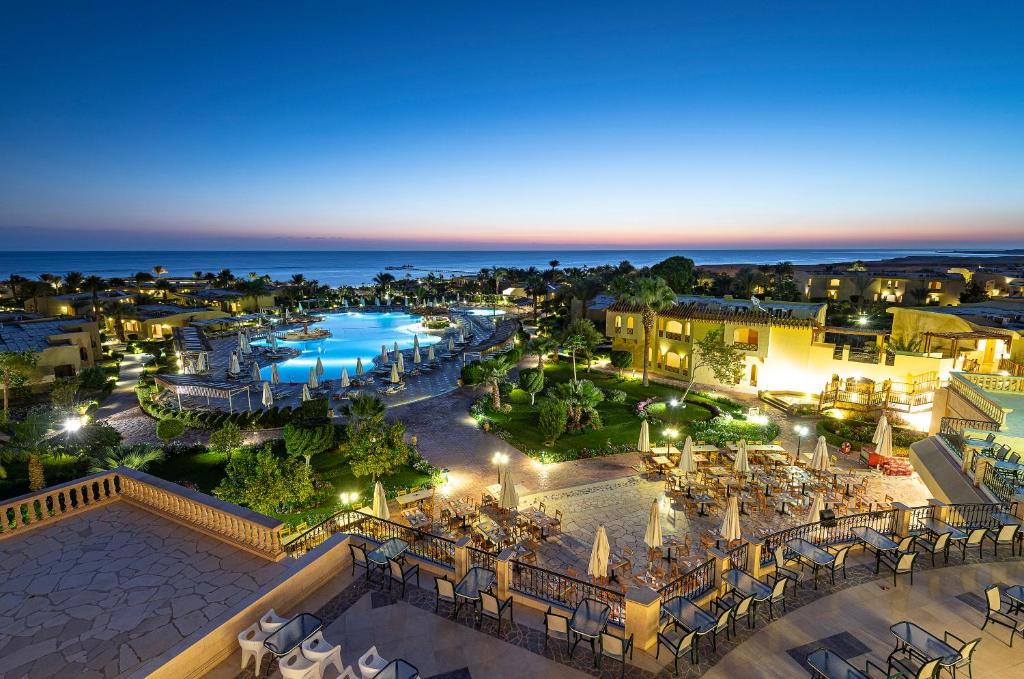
point(971, 390)
point(235, 525)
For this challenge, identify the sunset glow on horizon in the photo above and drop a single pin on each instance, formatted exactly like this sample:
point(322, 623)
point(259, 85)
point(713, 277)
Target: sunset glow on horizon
point(528, 126)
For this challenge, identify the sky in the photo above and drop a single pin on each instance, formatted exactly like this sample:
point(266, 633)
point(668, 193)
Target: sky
point(527, 124)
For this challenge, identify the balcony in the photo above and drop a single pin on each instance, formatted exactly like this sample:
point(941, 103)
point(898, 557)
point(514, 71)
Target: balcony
point(745, 346)
point(677, 336)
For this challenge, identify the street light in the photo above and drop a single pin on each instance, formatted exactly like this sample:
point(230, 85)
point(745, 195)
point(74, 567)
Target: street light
point(499, 460)
point(72, 424)
point(801, 432)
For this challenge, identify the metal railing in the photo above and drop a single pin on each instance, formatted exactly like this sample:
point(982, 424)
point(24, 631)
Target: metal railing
point(883, 521)
point(564, 590)
point(951, 430)
point(976, 515)
point(482, 558)
point(424, 545)
point(918, 515)
point(1003, 483)
point(972, 389)
point(738, 555)
point(693, 584)
point(745, 346)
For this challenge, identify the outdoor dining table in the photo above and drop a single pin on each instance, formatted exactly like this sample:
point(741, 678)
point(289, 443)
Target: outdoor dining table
point(1005, 519)
point(476, 580)
point(783, 500)
point(288, 636)
point(588, 621)
point(847, 481)
point(1015, 593)
point(689, 615)
point(703, 500)
point(670, 541)
point(747, 585)
point(922, 644)
point(758, 448)
point(389, 549)
point(744, 499)
point(537, 518)
point(416, 496)
point(777, 459)
point(937, 527)
point(825, 664)
point(398, 669)
point(703, 448)
point(718, 471)
point(874, 541)
point(810, 554)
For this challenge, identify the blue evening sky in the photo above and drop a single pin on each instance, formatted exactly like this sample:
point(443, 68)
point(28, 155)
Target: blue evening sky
point(442, 124)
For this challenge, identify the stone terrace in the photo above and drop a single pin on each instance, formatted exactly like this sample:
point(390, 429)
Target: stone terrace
point(98, 593)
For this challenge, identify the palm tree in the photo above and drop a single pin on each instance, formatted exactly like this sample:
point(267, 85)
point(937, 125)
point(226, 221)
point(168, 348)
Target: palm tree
point(225, 277)
point(131, 457)
point(542, 346)
point(13, 282)
point(383, 282)
point(584, 289)
point(117, 311)
point(252, 289)
point(30, 439)
point(197, 274)
point(164, 286)
point(73, 281)
point(580, 398)
point(93, 285)
point(653, 296)
point(553, 264)
point(493, 372)
point(159, 271)
point(362, 407)
point(536, 287)
point(572, 344)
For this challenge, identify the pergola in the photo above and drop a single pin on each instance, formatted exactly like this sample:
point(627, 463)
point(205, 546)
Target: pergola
point(197, 385)
point(955, 337)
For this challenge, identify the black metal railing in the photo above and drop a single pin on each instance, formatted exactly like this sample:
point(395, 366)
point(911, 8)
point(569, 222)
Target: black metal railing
point(564, 590)
point(693, 584)
point(918, 515)
point(738, 555)
point(951, 430)
point(424, 545)
point(883, 521)
point(745, 346)
point(482, 558)
point(1003, 483)
point(976, 515)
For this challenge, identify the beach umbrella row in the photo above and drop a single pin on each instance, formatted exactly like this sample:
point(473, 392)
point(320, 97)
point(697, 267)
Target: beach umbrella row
point(275, 376)
point(255, 372)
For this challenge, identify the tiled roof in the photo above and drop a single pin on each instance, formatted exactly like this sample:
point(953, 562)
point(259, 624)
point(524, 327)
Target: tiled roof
point(735, 311)
point(33, 335)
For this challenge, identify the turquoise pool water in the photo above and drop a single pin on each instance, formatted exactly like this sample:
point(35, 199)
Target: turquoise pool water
point(485, 312)
point(353, 335)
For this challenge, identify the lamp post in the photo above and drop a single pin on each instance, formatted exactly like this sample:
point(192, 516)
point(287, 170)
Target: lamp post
point(499, 460)
point(801, 432)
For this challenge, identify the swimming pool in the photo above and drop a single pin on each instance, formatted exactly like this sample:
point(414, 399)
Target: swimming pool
point(485, 312)
point(353, 335)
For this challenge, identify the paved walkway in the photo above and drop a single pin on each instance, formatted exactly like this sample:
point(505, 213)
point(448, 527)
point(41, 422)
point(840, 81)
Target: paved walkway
point(123, 398)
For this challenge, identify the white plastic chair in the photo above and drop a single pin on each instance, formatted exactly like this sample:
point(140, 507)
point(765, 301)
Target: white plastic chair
point(251, 641)
point(296, 666)
point(322, 653)
point(271, 621)
point(371, 663)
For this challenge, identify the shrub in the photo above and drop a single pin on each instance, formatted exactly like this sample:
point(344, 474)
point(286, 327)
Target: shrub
point(92, 377)
point(615, 395)
point(532, 381)
point(472, 374)
point(552, 419)
point(306, 442)
point(169, 428)
point(519, 397)
point(719, 430)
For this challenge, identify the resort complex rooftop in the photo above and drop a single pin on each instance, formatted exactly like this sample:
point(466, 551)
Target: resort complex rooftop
point(36, 335)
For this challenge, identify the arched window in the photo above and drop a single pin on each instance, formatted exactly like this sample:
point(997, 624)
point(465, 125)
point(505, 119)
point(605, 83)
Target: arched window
point(672, 360)
point(629, 323)
point(618, 322)
point(744, 336)
point(674, 330)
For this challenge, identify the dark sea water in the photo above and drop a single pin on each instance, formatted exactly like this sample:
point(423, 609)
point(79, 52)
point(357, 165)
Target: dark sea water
point(356, 267)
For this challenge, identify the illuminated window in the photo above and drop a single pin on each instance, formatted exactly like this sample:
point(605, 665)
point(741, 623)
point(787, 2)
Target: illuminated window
point(744, 336)
point(834, 282)
point(832, 294)
point(618, 322)
point(629, 322)
point(935, 285)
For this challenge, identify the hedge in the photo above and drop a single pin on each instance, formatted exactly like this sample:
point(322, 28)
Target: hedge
point(859, 433)
point(260, 419)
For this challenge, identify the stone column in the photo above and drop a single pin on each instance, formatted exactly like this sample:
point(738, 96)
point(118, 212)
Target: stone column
point(643, 611)
point(1018, 505)
point(462, 560)
point(721, 566)
point(902, 519)
point(754, 552)
point(940, 510)
point(503, 566)
point(965, 463)
point(980, 468)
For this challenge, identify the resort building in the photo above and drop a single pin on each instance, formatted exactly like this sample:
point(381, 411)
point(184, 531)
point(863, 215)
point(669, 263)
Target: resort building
point(995, 282)
point(229, 301)
point(155, 321)
point(916, 288)
point(62, 346)
point(75, 303)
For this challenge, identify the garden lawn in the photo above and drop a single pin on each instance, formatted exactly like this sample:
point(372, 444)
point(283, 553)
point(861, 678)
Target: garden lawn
point(621, 425)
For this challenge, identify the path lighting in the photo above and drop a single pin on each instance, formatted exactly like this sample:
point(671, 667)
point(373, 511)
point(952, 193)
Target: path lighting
point(72, 424)
point(674, 402)
point(801, 432)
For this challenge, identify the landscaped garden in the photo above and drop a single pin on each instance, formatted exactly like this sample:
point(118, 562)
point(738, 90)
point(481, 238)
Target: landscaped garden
point(604, 418)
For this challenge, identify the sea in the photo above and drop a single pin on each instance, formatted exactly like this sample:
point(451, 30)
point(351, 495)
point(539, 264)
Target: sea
point(357, 267)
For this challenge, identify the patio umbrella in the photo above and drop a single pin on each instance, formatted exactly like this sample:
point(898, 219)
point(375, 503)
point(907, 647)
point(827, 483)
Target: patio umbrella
point(741, 464)
point(415, 354)
point(380, 503)
point(884, 447)
point(430, 353)
point(202, 365)
point(344, 379)
point(275, 377)
point(305, 393)
point(359, 367)
point(644, 444)
point(273, 342)
point(401, 363)
point(598, 566)
point(319, 367)
point(233, 366)
point(241, 340)
point(395, 379)
point(268, 396)
point(462, 336)
point(730, 529)
point(820, 461)
point(415, 341)
point(883, 424)
point(396, 352)
point(256, 372)
point(817, 504)
point(300, 307)
point(451, 343)
point(246, 349)
point(312, 382)
point(652, 536)
point(686, 461)
point(508, 498)
point(383, 354)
